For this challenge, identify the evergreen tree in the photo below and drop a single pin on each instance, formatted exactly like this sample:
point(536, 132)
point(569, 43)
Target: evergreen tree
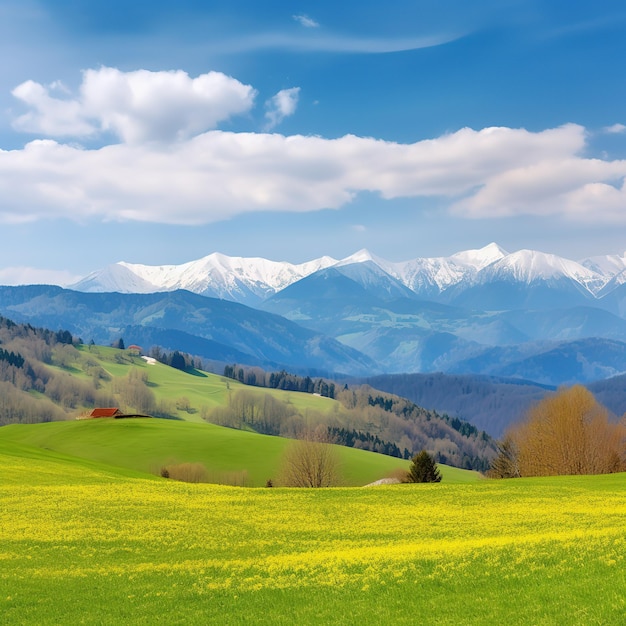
point(178, 361)
point(119, 344)
point(423, 469)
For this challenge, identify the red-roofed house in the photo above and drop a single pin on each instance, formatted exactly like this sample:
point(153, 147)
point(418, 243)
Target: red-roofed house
point(105, 413)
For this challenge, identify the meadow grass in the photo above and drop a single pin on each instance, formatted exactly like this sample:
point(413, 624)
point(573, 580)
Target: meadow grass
point(146, 445)
point(202, 389)
point(83, 543)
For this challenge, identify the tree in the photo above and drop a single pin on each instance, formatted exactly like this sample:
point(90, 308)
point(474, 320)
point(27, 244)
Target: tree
point(568, 433)
point(505, 465)
point(119, 344)
point(178, 361)
point(423, 469)
point(311, 462)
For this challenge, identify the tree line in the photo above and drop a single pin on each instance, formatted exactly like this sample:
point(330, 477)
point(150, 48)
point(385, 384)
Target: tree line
point(29, 390)
point(257, 377)
point(364, 419)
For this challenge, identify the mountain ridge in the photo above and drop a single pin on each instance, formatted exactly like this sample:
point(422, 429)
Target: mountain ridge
point(251, 280)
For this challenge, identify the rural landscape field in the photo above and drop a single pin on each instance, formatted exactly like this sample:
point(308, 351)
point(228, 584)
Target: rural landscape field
point(83, 542)
point(312, 313)
point(142, 520)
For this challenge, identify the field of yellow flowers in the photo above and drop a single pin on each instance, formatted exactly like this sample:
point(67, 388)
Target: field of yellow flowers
point(81, 543)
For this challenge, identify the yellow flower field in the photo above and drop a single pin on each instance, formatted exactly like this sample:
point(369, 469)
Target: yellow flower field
point(82, 544)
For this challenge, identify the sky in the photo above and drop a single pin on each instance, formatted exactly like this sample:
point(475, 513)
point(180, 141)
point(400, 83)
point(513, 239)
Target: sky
point(160, 132)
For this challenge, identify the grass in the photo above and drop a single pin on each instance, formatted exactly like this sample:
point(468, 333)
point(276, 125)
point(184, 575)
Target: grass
point(206, 390)
point(147, 444)
point(82, 542)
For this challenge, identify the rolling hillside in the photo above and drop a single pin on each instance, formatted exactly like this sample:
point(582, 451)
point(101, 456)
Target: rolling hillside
point(230, 456)
point(47, 378)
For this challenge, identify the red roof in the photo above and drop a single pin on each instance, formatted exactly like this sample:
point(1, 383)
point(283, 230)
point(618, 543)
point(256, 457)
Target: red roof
point(105, 412)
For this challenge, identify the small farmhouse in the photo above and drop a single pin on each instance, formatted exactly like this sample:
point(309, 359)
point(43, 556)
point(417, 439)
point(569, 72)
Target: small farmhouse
point(110, 412)
point(114, 412)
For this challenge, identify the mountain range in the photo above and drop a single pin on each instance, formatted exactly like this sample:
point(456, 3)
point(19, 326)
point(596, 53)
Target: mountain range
point(522, 315)
point(457, 279)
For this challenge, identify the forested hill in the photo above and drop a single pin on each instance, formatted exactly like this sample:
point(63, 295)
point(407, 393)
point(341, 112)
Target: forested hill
point(46, 376)
point(491, 404)
point(31, 388)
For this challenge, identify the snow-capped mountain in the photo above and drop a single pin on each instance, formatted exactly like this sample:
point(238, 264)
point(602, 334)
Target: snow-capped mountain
point(607, 265)
point(430, 277)
point(244, 280)
point(115, 278)
point(530, 266)
point(527, 279)
point(253, 280)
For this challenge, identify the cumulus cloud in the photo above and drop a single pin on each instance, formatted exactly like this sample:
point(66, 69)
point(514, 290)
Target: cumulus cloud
point(306, 21)
point(280, 106)
point(135, 106)
point(170, 169)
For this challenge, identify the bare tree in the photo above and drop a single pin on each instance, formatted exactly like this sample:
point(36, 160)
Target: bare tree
point(311, 462)
point(505, 465)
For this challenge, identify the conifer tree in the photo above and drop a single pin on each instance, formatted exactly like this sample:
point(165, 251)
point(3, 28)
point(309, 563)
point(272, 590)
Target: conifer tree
point(423, 469)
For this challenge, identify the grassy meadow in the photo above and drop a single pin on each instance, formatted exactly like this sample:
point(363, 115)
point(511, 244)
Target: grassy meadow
point(146, 445)
point(84, 542)
point(202, 389)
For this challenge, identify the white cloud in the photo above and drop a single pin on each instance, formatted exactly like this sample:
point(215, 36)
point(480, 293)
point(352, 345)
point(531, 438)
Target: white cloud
point(306, 21)
point(50, 115)
point(315, 41)
point(280, 106)
point(193, 177)
point(616, 129)
point(36, 276)
point(136, 106)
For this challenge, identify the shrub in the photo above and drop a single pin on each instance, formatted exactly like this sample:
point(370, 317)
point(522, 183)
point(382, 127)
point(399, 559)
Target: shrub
point(186, 472)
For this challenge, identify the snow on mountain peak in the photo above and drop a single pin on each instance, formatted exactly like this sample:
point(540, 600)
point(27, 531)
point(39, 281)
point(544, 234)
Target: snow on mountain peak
point(527, 266)
point(361, 256)
point(480, 258)
point(607, 265)
point(253, 279)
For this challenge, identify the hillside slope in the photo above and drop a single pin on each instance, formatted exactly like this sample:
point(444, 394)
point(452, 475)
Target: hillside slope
point(230, 456)
point(44, 377)
point(264, 338)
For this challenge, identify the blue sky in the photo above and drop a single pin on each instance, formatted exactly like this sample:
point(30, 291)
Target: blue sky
point(161, 132)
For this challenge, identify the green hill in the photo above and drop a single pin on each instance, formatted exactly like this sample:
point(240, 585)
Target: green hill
point(169, 385)
point(47, 376)
point(230, 456)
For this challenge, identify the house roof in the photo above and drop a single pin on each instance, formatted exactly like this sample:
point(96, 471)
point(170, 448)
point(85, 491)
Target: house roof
point(105, 412)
